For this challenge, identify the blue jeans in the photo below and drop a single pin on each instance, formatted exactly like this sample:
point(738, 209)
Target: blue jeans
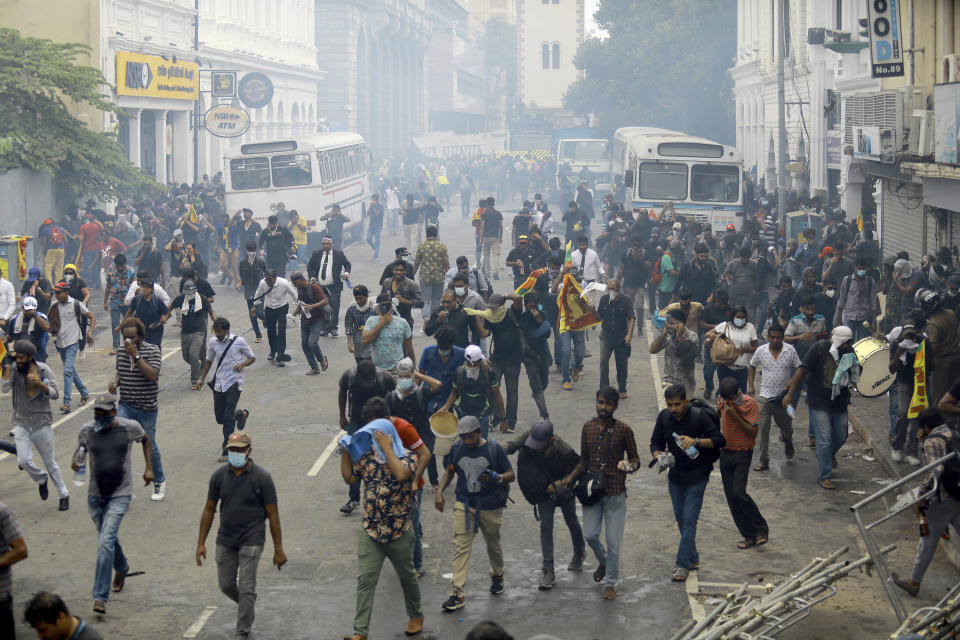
point(709, 372)
point(859, 331)
point(740, 375)
point(431, 297)
point(373, 239)
point(687, 502)
point(831, 431)
point(117, 310)
point(310, 343)
point(107, 513)
point(147, 420)
point(763, 301)
point(68, 356)
point(91, 268)
point(418, 530)
point(613, 509)
point(894, 410)
point(579, 348)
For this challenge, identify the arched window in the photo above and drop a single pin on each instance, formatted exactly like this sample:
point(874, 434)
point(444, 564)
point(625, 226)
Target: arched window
point(556, 56)
point(545, 56)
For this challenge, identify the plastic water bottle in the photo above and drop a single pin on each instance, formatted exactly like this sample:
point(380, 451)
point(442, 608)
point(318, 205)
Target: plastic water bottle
point(691, 451)
point(80, 475)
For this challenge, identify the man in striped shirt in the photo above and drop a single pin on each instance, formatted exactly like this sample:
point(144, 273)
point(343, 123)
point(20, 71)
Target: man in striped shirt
point(739, 417)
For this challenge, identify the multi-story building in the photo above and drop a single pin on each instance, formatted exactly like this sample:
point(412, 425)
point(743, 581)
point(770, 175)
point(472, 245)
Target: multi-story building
point(456, 85)
point(549, 32)
point(485, 10)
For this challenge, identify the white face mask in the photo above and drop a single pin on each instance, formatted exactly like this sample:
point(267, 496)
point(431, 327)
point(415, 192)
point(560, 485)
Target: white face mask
point(460, 291)
point(405, 383)
point(251, 255)
point(473, 372)
point(739, 322)
point(614, 295)
point(68, 277)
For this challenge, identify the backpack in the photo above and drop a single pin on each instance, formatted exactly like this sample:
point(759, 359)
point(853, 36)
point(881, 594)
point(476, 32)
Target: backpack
point(55, 234)
point(700, 411)
point(950, 478)
point(502, 491)
point(657, 275)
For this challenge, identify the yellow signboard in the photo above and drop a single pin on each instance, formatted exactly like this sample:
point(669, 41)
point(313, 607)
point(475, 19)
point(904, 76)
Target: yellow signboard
point(153, 77)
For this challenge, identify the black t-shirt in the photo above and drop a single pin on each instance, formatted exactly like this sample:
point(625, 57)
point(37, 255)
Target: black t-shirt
point(431, 212)
point(821, 367)
point(193, 321)
point(375, 216)
point(615, 316)
point(521, 224)
point(176, 257)
point(43, 306)
point(357, 393)
point(905, 370)
point(507, 346)
point(572, 218)
point(410, 213)
point(243, 501)
point(527, 256)
point(712, 314)
point(152, 263)
point(491, 222)
point(77, 285)
point(636, 270)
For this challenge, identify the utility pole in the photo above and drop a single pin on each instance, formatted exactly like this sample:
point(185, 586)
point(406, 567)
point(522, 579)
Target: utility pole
point(781, 122)
point(196, 103)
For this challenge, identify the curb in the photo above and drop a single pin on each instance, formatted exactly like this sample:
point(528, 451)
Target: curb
point(952, 546)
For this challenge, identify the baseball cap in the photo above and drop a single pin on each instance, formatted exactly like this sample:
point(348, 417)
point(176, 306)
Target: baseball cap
point(826, 251)
point(539, 434)
point(401, 251)
point(239, 440)
point(731, 227)
point(521, 238)
point(33, 274)
point(472, 354)
point(29, 302)
point(468, 424)
point(495, 301)
point(177, 232)
point(106, 401)
point(62, 286)
point(190, 287)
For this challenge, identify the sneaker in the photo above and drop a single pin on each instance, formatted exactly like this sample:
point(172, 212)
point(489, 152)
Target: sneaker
point(707, 394)
point(896, 456)
point(913, 461)
point(599, 573)
point(496, 585)
point(575, 374)
point(453, 603)
point(159, 491)
point(348, 508)
point(280, 363)
point(270, 357)
point(334, 334)
point(609, 593)
point(44, 490)
point(64, 503)
point(547, 579)
point(576, 564)
point(788, 449)
point(567, 386)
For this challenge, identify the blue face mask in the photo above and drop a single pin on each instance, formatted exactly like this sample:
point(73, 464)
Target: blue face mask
point(236, 459)
point(861, 273)
point(539, 307)
point(102, 422)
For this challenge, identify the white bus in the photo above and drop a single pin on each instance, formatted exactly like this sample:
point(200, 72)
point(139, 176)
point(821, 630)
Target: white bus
point(584, 159)
point(308, 174)
point(702, 178)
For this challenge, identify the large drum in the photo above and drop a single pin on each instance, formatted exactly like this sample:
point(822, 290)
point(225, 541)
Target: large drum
point(874, 357)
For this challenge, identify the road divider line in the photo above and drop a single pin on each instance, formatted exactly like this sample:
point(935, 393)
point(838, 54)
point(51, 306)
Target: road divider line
point(654, 366)
point(74, 414)
point(197, 625)
point(315, 469)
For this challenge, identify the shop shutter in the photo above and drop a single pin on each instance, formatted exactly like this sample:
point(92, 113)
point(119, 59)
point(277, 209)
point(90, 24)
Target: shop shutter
point(902, 223)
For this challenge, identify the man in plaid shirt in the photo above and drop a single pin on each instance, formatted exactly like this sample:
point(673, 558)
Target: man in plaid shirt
point(603, 443)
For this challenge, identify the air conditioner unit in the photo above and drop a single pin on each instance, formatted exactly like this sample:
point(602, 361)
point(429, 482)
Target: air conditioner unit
point(916, 98)
point(949, 68)
point(920, 138)
point(883, 110)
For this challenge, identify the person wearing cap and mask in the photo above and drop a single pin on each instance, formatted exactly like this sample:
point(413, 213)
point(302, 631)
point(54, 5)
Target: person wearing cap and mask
point(177, 248)
point(520, 260)
point(32, 386)
point(247, 499)
point(832, 367)
point(389, 335)
point(483, 473)
point(545, 459)
point(194, 311)
point(329, 267)
point(475, 390)
point(905, 341)
point(107, 442)
point(357, 385)
point(410, 401)
point(37, 286)
point(400, 254)
point(77, 285)
point(432, 262)
point(31, 325)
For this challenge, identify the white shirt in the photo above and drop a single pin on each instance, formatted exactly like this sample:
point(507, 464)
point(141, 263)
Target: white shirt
point(226, 376)
point(8, 299)
point(741, 337)
point(776, 371)
point(135, 289)
point(277, 296)
point(69, 333)
point(326, 277)
point(393, 199)
point(592, 268)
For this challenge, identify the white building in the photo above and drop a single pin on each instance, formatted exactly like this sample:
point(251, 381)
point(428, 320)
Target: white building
point(549, 32)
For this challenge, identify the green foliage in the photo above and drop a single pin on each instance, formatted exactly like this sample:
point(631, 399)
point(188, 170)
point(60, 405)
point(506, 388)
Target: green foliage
point(38, 80)
point(663, 63)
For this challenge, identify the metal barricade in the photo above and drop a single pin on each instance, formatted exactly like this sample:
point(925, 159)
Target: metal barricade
point(891, 511)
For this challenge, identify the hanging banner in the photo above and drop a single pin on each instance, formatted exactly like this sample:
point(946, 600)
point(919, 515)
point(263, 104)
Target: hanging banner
point(226, 121)
point(154, 77)
point(886, 41)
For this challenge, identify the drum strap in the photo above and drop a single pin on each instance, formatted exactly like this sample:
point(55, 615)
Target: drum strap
point(918, 402)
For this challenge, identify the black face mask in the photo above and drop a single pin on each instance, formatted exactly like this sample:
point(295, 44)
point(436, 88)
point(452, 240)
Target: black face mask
point(385, 309)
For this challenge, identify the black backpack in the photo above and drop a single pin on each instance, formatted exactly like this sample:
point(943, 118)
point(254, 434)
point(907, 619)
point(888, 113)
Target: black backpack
point(950, 478)
point(700, 411)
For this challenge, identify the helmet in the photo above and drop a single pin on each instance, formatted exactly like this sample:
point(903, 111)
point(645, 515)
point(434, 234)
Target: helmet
point(928, 299)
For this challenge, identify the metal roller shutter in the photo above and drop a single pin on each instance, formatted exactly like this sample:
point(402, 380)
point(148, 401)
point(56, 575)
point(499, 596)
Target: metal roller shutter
point(902, 227)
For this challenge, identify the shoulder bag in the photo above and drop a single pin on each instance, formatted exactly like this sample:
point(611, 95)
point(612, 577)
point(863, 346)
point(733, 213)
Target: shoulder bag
point(213, 379)
point(723, 350)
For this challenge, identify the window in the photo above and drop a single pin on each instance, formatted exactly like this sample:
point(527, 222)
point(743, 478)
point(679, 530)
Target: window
point(582, 151)
point(663, 180)
point(291, 171)
point(556, 55)
point(714, 183)
point(690, 150)
point(545, 56)
point(250, 173)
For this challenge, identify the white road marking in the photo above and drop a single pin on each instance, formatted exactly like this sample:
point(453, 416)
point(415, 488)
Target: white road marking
point(89, 404)
point(194, 629)
point(315, 469)
point(654, 367)
point(692, 586)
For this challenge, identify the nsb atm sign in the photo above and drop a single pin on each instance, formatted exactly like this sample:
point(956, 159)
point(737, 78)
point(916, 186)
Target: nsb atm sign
point(886, 40)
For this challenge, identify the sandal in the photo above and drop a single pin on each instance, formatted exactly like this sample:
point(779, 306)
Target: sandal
point(313, 372)
point(84, 400)
point(746, 543)
point(258, 340)
point(65, 408)
point(118, 581)
point(241, 418)
point(826, 484)
point(762, 538)
point(324, 363)
point(112, 352)
point(761, 466)
point(680, 574)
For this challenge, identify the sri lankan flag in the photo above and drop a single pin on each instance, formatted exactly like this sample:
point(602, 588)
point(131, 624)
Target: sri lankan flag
point(568, 256)
point(575, 314)
point(529, 283)
point(192, 216)
point(860, 221)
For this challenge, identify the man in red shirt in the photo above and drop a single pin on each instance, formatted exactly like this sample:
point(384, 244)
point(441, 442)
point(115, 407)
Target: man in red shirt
point(90, 249)
point(739, 417)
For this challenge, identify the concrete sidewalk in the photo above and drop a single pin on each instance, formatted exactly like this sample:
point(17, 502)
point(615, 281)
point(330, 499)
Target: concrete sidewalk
point(870, 420)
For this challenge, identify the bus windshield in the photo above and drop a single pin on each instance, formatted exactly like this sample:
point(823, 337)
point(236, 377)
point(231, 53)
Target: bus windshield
point(582, 151)
point(663, 180)
point(292, 170)
point(250, 173)
point(714, 183)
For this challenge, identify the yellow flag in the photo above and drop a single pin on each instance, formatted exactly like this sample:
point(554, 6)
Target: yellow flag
point(575, 313)
point(860, 220)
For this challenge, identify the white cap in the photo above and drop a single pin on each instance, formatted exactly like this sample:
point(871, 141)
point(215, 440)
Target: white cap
point(473, 354)
point(29, 302)
point(677, 225)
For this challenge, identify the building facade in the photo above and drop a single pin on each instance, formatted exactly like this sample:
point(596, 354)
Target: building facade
point(549, 32)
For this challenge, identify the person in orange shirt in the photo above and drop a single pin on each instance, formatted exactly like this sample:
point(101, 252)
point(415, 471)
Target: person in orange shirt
point(739, 417)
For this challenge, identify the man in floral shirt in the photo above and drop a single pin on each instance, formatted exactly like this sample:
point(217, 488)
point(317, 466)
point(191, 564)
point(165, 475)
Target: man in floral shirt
point(386, 532)
point(432, 262)
point(119, 278)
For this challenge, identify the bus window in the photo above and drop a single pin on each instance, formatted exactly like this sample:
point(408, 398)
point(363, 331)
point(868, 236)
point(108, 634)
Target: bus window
point(291, 171)
point(583, 151)
point(714, 183)
point(663, 180)
point(250, 173)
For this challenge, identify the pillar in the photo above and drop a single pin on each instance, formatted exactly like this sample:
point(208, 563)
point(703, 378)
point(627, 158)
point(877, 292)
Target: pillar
point(182, 147)
point(160, 132)
point(133, 131)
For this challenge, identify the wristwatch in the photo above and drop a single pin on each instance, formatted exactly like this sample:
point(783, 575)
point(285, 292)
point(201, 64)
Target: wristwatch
point(136, 358)
point(697, 440)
